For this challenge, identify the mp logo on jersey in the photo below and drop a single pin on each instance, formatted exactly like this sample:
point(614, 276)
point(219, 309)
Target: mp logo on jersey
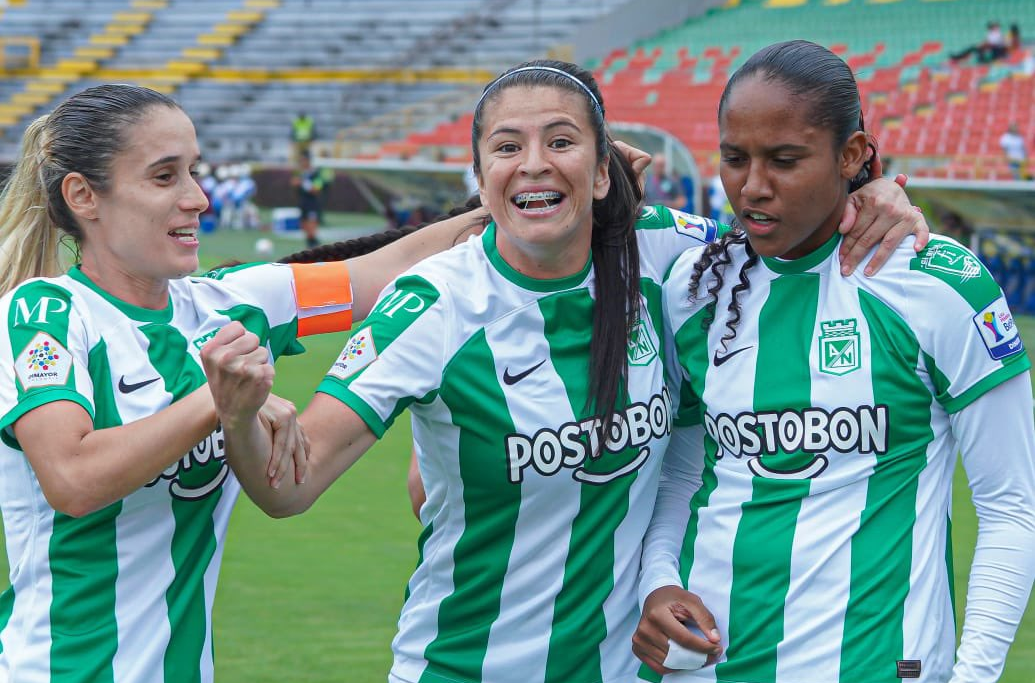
point(44, 362)
point(200, 472)
point(400, 301)
point(38, 312)
point(838, 347)
point(998, 330)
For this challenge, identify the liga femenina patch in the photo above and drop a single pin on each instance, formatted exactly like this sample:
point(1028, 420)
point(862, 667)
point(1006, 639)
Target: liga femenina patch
point(998, 330)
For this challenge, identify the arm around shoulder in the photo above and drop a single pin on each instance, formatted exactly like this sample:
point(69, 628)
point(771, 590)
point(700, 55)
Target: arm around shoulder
point(373, 272)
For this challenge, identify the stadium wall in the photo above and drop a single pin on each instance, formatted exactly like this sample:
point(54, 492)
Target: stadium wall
point(634, 21)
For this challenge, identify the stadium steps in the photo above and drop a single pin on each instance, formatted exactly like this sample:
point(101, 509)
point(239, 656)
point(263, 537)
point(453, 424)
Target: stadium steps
point(367, 139)
point(197, 59)
point(508, 42)
point(44, 85)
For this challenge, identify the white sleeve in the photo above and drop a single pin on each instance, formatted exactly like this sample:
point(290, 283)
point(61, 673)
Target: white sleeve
point(680, 479)
point(398, 354)
point(997, 440)
point(663, 234)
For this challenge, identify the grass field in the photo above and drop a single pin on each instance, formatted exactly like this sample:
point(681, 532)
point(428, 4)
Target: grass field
point(315, 598)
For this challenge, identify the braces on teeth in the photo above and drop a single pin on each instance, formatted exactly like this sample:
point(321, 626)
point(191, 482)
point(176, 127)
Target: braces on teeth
point(527, 198)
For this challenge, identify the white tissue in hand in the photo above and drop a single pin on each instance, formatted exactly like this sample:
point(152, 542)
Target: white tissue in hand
point(679, 657)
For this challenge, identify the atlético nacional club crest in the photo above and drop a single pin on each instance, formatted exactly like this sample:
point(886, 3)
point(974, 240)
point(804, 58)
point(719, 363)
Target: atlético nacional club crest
point(641, 347)
point(838, 347)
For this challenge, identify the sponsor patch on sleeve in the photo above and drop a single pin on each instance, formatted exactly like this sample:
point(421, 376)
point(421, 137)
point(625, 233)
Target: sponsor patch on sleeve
point(998, 330)
point(358, 353)
point(44, 362)
point(698, 227)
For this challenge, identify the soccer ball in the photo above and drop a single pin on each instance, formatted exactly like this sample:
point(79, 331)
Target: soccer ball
point(264, 247)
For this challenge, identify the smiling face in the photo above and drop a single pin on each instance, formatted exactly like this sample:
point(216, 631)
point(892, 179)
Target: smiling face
point(786, 181)
point(143, 229)
point(539, 176)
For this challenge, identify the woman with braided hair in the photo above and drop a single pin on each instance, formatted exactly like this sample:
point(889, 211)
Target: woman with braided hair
point(530, 360)
point(802, 523)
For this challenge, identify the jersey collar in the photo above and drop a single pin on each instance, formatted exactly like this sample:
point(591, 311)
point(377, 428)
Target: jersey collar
point(533, 284)
point(145, 315)
point(805, 263)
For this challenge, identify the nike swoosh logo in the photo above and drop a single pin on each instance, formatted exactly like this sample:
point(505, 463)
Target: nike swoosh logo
point(719, 360)
point(128, 388)
point(510, 379)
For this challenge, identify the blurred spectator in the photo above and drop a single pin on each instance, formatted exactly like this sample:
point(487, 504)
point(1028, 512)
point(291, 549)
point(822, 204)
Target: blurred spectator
point(687, 185)
point(1012, 143)
point(391, 218)
point(239, 212)
point(718, 204)
point(993, 47)
point(224, 185)
point(1013, 38)
point(470, 181)
point(208, 185)
point(309, 181)
point(953, 225)
point(327, 176)
point(303, 132)
point(663, 187)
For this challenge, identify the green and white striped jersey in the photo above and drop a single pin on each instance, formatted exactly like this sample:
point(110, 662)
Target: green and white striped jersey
point(816, 527)
point(535, 514)
point(123, 594)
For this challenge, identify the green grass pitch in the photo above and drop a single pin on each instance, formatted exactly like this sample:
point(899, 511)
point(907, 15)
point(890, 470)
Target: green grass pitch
point(315, 598)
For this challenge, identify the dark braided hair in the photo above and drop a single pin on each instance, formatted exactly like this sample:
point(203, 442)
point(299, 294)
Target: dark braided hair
point(339, 251)
point(715, 257)
point(616, 258)
point(825, 84)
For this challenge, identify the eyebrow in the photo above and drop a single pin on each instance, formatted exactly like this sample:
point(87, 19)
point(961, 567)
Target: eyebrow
point(553, 124)
point(170, 159)
point(776, 149)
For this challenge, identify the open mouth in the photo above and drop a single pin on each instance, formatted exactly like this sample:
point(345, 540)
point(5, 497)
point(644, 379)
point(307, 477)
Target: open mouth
point(537, 201)
point(185, 235)
point(759, 217)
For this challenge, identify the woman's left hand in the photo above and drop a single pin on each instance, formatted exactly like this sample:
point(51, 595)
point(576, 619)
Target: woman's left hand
point(879, 212)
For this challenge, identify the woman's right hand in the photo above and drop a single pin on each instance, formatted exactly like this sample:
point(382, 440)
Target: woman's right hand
point(290, 443)
point(239, 373)
point(638, 160)
point(666, 612)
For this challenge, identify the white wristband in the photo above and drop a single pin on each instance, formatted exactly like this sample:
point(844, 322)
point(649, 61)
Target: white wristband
point(679, 657)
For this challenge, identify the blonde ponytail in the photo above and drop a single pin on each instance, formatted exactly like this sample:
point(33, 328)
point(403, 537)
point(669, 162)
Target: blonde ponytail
point(29, 238)
point(82, 135)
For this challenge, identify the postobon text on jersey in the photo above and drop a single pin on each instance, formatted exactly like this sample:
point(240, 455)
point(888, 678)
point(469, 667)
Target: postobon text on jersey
point(574, 445)
point(199, 472)
point(813, 431)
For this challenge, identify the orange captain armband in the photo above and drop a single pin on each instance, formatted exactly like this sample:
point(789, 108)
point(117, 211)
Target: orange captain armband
point(323, 296)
